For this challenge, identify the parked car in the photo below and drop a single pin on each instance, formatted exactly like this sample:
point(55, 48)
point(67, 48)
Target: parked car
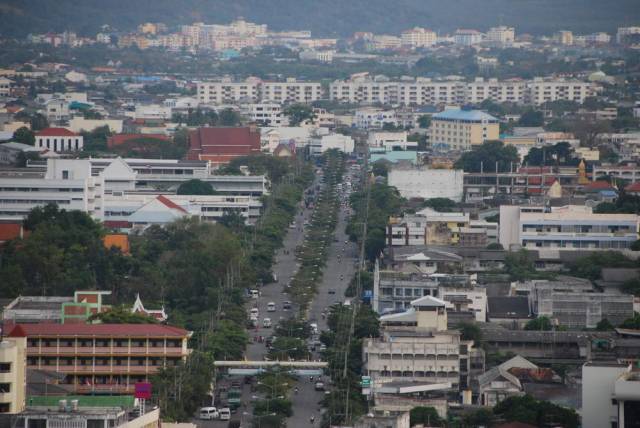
point(225, 414)
point(271, 307)
point(319, 386)
point(286, 305)
point(208, 413)
point(266, 323)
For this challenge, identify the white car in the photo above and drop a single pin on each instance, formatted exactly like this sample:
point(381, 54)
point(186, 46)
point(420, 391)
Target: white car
point(266, 323)
point(208, 413)
point(271, 307)
point(225, 414)
point(254, 312)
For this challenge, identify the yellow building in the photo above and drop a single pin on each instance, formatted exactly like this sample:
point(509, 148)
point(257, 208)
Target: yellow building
point(458, 129)
point(13, 374)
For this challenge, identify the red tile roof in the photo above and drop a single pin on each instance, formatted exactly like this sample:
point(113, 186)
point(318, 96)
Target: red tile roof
point(117, 224)
point(169, 203)
point(116, 140)
point(222, 144)
point(90, 330)
point(633, 188)
point(56, 132)
point(599, 185)
point(9, 231)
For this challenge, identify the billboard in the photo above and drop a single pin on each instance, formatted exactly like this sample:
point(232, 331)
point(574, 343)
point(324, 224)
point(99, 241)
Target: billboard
point(142, 390)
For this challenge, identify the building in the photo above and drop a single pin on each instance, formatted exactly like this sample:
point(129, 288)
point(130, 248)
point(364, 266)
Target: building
point(626, 35)
point(541, 90)
point(5, 86)
point(499, 91)
point(253, 91)
point(10, 152)
point(226, 91)
point(291, 91)
point(466, 37)
point(384, 419)
point(418, 38)
point(68, 183)
point(102, 358)
point(610, 395)
point(390, 141)
point(457, 129)
point(59, 140)
point(221, 145)
point(426, 183)
point(314, 55)
point(566, 228)
point(374, 118)
point(502, 35)
point(13, 374)
point(343, 143)
point(265, 114)
point(421, 259)
point(564, 37)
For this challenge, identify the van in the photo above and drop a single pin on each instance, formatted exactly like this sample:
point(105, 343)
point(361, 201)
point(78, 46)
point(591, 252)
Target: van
point(314, 328)
point(266, 323)
point(208, 413)
point(347, 302)
point(271, 307)
point(225, 414)
point(254, 294)
point(254, 313)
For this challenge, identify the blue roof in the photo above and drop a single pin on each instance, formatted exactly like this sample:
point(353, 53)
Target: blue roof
point(459, 114)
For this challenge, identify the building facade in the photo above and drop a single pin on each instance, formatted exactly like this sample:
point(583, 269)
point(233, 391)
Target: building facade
point(13, 374)
point(457, 129)
point(59, 140)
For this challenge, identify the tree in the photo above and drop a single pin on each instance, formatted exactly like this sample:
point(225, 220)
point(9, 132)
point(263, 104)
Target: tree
point(440, 204)
point(229, 117)
point(528, 410)
point(632, 323)
point(427, 416)
point(486, 156)
point(424, 121)
point(25, 136)
point(495, 246)
point(38, 122)
point(560, 153)
point(604, 325)
point(284, 348)
point(531, 118)
point(298, 113)
point(470, 331)
point(380, 168)
point(195, 187)
point(539, 324)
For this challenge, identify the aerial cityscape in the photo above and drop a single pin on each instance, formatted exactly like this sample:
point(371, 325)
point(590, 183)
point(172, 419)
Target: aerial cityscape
point(319, 214)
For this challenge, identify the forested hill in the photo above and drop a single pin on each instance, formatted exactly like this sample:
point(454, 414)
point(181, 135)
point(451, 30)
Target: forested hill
point(323, 17)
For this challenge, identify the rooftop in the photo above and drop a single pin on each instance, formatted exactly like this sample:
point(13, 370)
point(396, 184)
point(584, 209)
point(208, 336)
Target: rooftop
point(56, 132)
point(465, 115)
point(94, 330)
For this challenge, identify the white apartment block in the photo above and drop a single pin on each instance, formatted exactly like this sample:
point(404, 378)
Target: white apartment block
point(541, 91)
point(501, 35)
point(467, 37)
point(424, 91)
point(624, 32)
point(265, 114)
point(252, 91)
point(418, 38)
point(67, 183)
point(566, 228)
point(5, 86)
point(422, 182)
point(291, 91)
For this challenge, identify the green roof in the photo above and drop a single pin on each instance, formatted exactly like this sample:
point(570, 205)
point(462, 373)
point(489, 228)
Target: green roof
point(124, 401)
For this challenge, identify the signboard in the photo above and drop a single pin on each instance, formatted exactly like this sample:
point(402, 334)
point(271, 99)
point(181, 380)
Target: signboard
point(365, 382)
point(142, 390)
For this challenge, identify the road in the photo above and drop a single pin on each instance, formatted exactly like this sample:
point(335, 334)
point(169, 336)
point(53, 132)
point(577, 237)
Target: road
point(339, 270)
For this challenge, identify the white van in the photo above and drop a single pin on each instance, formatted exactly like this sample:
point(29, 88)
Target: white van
point(225, 414)
point(208, 413)
point(254, 294)
point(266, 323)
point(314, 328)
point(271, 307)
point(254, 313)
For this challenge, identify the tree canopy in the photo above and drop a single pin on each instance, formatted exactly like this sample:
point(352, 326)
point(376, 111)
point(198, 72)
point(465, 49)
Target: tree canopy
point(486, 156)
point(299, 113)
point(195, 187)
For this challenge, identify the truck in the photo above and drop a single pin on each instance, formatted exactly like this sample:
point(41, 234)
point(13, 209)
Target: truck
point(234, 398)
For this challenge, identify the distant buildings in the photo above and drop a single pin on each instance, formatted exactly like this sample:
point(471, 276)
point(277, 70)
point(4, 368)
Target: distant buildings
point(390, 141)
point(59, 140)
point(253, 91)
point(502, 35)
point(221, 145)
point(418, 38)
point(625, 34)
point(467, 37)
point(457, 129)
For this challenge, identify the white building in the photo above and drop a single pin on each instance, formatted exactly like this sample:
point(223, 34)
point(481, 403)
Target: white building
point(422, 182)
point(313, 55)
point(545, 90)
point(5, 86)
point(152, 112)
point(391, 141)
point(67, 183)
point(59, 140)
point(253, 91)
point(625, 32)
point(418, 38)
point(374, 118)
point(344, 143)
point(566, 228)
point(264, 114)
point(610, 395)
point(502, 35)
point(513, 91)
point(466, 37)
point(291, 91)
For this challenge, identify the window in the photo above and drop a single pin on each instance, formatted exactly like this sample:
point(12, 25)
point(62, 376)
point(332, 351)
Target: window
point(6, 408)
point(65, 175)
point(5, 367)
point(5, 388)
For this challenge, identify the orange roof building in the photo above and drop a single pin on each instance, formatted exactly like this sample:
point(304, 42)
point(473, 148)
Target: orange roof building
point(117, 240)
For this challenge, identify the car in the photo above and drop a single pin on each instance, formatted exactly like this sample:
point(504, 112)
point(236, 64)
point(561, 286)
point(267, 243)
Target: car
point(254, 294)
point(314, 328)
point(254, 312)
point(208, 413)
point(331, 291)
point(225, 414)
point(323, 347)
point(266, 323)
point(319, 386)
point(286, 305)
point(271, 307)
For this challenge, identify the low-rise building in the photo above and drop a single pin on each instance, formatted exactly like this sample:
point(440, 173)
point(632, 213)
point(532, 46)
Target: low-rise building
point(391, 141)
point(426, 183)
point(13, 374)
point(102, 358)
point(221, 145)
point(59, 140)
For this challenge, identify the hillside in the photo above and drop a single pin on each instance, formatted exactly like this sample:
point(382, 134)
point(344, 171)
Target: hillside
point(323, 17)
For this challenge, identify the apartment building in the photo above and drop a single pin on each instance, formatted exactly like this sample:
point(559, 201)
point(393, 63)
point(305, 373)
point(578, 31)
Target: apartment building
point(265, 114)
point(418, 38)
point(416, 346)
point(426, 183)
point(102, 358)
point(226, 92)
point(545, 90)
point(391, 141)
point(566, 228)
point(624, 34)
point(502, 35)
point(374, 118)
point(458, 129)
point(467, 37)
point(513, 91)
point(291, 91)
point(68, 183)
point(13, 374)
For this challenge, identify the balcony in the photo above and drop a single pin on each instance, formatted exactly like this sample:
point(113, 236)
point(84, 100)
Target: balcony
point(100, 350)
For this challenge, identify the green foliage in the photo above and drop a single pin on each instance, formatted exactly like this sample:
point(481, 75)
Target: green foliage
point(531, 118)
point(632, 323)
point(380, 168)
point(285, 348)
point(539, 324)
point(428, 416)
point(366, 283)
point(229, 117)
point(495, 246)
point(624, 204)
point(96, 140)
point(470, 331)
point(527, 409)
point(424, 121)
point(520, 267)
point(197, 117)
point(590, 266)
point(560, 153)
point(38, 122)
point(441, 204)
point(293, 327)
point(25, 136)
point(195, 187)
point(122, 315)
point(150, 148)
point(227, 341)
point(275, 168)
point(299, 113)
point(604, 325)
point(632, 286)
point(486, 156)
